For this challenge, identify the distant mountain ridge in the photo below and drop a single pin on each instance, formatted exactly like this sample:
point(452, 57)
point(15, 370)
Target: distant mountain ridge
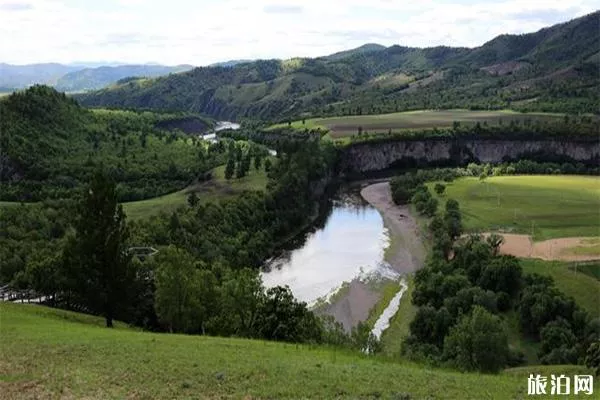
point(97, 78)
point(78, 76)
point(554, 69)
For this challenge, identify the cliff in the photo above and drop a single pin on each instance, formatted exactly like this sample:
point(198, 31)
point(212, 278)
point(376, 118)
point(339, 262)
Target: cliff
point(377, 156)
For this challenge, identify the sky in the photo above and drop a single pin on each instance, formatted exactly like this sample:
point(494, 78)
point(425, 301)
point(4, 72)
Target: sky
point(200, 32)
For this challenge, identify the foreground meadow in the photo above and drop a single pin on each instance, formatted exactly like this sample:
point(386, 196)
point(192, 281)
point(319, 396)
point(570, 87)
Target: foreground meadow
point(46, 353)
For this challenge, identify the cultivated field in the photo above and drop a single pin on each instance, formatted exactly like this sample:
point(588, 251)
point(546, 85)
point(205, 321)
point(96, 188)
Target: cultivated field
point(349, 125)
point(545, 207)
point(46, 353)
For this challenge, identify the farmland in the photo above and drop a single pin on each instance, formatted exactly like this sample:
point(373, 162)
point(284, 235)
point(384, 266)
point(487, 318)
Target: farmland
point(55, 353)
point(545, 207)
point(344, 126)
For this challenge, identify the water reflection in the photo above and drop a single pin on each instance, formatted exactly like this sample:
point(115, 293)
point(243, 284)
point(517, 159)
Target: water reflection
point(347, 243)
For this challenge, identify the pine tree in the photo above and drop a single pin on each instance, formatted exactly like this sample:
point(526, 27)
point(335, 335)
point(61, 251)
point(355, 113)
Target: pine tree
point(230, 168)
point(97, 263)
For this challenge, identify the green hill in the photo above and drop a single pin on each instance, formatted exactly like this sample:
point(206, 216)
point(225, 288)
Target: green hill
point(49, 146)
point(555, 69)
point(54, 353)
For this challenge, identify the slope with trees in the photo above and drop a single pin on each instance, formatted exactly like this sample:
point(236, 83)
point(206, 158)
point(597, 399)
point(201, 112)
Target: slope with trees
point(555, 69)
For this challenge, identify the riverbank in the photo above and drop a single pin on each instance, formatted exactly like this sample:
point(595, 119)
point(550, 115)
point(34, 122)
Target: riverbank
point(405, 254)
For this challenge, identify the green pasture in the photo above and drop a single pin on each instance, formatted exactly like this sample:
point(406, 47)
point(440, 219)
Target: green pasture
point(215, 189)
point(578, 280)
point(47, 353)
point(548, 206)
point(344, 126)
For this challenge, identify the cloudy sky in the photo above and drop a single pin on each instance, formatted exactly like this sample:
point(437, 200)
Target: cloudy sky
point(200, 32)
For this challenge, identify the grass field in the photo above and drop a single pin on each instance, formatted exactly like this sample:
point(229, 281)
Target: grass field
point(344, 126)
point(579, 282)
point(549, 206)
point(47, 353)
point(215, 189)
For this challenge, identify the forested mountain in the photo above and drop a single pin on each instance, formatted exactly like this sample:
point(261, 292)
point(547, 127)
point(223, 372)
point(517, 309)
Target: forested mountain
point(554, 69)
point(97, 78)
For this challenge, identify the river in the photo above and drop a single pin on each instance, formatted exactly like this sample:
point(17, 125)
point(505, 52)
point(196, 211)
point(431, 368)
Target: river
point(343, 252)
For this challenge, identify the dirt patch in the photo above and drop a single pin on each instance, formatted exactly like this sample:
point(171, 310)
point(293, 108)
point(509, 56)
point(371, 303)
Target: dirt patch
point(553, 249)
point(406, 252)
point(353, 306)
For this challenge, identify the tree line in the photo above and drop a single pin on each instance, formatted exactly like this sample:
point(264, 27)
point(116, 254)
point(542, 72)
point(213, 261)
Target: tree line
point(467, 289)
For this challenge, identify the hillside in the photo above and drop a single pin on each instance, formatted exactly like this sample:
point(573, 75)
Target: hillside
point(50, 145)
point(49, 353)
point(97, 78)
point(555, 69)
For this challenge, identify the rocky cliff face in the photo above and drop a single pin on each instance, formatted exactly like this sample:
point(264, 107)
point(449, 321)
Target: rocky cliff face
point(376, 156)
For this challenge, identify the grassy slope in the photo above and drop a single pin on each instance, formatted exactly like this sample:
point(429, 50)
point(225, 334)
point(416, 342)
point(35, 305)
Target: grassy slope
point(217, 188)
point(348, 125)
point(573, 282)
point(52, 353)
point(558, 206)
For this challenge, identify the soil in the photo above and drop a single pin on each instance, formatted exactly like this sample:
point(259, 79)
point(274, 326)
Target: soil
point(406, 252)
point(550, 250)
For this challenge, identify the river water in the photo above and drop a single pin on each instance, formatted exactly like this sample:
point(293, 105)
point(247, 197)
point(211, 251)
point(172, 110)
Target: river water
point(348, 243)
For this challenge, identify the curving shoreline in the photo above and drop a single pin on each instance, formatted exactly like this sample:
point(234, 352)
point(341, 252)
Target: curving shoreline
point(406, 252)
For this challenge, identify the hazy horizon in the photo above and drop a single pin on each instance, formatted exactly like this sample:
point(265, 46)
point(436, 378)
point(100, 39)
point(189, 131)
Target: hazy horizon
point(201, 33)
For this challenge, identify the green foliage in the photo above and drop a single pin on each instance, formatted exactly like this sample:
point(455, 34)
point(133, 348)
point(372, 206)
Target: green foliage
point(477, 342)
point(51, 147)
point(98, 268)
point(508, 72)
point(177, 296)
point(439, 189)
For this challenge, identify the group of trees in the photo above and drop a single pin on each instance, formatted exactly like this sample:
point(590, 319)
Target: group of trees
point(466, 289)
point(240, 156)
point(204, 280)
point(51, 146)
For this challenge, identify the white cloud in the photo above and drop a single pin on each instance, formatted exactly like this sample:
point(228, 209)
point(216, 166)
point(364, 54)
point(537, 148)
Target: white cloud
point(202, 32)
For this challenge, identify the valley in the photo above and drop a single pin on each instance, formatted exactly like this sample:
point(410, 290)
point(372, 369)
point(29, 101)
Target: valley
point(381, 222)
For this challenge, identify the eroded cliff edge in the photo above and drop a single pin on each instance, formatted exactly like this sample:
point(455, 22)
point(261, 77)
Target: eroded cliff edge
point(377, 156)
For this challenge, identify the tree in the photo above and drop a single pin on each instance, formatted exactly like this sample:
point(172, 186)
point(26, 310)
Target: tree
point(558, 343)
point(230, 168)
point(477, 342)
point(176, 299)
point(592, 357)
point(257, 162)
point(192, 199)
point(268, 165)
point(98, 266)
point(439, 189)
